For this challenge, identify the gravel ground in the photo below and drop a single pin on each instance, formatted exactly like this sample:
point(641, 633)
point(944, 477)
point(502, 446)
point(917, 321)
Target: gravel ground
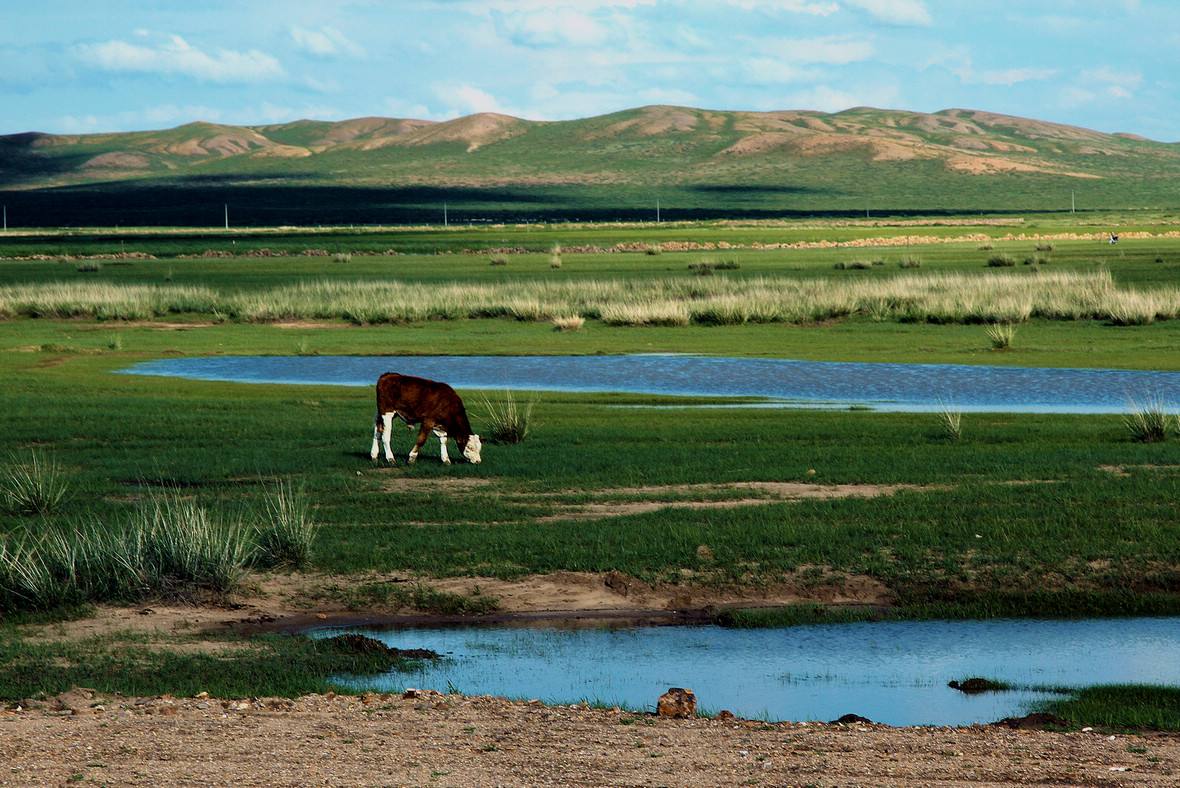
point(453, 740)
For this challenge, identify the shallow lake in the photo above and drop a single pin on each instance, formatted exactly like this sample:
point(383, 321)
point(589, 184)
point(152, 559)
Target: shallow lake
point(895, 387)
point(892, 672)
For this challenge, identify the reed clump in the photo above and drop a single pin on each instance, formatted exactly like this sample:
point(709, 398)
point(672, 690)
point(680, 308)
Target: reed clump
point(568, 323)
point(285, 530)
point(951, 423)
point(169, 547)
point(1150, 422)
point(508, 421)
point(1001, 261)
point(1001, 335)
point(33, 485)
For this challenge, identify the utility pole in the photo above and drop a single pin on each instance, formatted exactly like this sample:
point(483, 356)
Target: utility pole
point(446, 220)
point(1073, 206)
point(657, 210)
point(6, 218)
point(227, 216)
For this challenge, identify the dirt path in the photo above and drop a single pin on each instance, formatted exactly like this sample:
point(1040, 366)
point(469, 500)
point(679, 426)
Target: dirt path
point(387, 740)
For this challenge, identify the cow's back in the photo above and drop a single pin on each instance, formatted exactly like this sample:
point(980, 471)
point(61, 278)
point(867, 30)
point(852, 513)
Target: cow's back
point(418, 399)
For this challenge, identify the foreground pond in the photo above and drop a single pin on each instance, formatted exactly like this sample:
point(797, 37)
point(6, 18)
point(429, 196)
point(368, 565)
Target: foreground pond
point(892, 672)
point(898, 387)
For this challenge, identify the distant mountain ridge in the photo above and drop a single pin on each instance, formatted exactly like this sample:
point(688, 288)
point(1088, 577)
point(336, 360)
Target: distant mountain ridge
point(970, 142)
point(706, 163)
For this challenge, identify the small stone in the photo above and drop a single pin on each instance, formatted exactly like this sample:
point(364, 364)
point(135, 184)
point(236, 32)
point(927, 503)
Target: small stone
point(810, 472)
point(167, 711)
point(321, 616)
point(677, 703)
point(201, 695)
point(725, 714)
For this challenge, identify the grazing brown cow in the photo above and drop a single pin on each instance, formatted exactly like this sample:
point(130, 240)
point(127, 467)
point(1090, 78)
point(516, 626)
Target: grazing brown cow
point(434, 405)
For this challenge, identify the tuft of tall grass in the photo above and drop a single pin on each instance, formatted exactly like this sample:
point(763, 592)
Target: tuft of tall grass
point(701, 269)
point(951, 422)
point(1001, 261)
point(568, 323)
point(653, 250)
point(342, 257)
point(170, 547)
point(498, 259)
point(1001, 335)
point(508, 421)
point(1150, 422)
point(33, 486)
point(88, 267)
point(285, 530)
point(1044, 247)
point(910, 262)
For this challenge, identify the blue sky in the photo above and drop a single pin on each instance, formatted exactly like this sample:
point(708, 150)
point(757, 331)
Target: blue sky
point(112, 65)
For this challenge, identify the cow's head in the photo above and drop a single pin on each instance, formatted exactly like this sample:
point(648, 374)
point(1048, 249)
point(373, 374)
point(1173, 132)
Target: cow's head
point(471, 448)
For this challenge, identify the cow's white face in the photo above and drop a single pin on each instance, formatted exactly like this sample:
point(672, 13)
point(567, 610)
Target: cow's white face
point(472, 449)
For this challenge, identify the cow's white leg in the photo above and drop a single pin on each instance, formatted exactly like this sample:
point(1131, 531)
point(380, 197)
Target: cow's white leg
point(387, 428)
point(376, 441)
point(442, 443)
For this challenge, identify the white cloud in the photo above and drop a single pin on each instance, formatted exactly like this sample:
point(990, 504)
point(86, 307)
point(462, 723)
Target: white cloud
point(326, 42)
point(895, 12)
point(766, 71)
point(828, 99)
point(789, 6)
point(1107, 75)
point(831, 50)
point(174, 55)
point(558, 27)
point(1012, 76)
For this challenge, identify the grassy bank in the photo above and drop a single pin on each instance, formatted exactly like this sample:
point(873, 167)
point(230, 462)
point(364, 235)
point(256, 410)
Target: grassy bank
point(1120, 707)
point(137, 665)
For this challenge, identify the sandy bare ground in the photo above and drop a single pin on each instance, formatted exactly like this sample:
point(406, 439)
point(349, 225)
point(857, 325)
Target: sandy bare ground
point(280, 601)
point(451, 740)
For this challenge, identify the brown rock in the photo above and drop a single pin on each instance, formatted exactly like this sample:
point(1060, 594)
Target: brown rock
point(725, 714)
point(617, 581)
point(677, 703)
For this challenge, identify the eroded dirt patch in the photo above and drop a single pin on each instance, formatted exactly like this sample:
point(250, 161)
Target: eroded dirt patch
point(772, 492)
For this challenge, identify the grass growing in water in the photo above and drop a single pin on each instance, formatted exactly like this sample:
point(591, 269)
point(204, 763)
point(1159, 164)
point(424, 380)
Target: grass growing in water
point(287, 530)
point(35, 486)
point(508, 421)
point(1150, 423)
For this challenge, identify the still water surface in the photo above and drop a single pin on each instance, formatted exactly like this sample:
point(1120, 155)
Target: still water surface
point(892, 672)
point(893, 387)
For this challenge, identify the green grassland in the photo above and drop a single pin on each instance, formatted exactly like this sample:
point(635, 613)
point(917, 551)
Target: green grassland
point(1025, 515)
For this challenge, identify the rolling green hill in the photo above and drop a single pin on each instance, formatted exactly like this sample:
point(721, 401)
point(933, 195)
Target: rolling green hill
point(492, 167)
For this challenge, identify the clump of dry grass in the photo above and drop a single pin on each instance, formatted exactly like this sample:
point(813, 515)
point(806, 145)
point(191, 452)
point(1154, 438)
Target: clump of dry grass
point(498, 259)
point(1001, 335)
point(568, 323)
